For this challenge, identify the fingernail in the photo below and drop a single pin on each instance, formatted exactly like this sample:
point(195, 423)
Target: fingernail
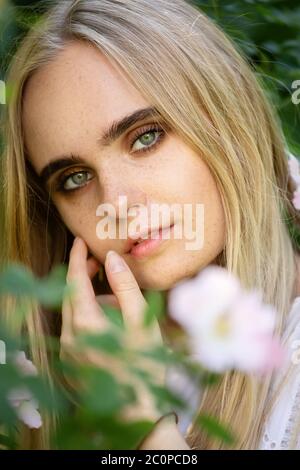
point(116, 264)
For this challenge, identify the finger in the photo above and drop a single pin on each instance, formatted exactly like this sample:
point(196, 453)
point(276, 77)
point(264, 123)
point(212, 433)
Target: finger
point(78, 271)
point(93, 266)
point(66, 326)
point(126, 289)
point(86, 313)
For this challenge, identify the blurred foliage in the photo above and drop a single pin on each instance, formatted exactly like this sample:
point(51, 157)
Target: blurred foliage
point(268, 33)
point(90, 412)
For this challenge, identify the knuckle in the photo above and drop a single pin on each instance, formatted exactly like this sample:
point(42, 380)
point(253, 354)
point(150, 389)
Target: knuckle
point(89, 323)
point(126, 286)
point(81, 323)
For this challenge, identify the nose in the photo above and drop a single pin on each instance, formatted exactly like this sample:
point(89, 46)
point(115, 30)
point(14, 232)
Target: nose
point(121, 201)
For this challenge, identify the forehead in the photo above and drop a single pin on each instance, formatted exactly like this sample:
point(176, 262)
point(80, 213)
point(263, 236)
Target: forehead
point(68, 102)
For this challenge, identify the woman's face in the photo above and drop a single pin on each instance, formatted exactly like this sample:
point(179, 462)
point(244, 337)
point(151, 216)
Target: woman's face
point(68, 107)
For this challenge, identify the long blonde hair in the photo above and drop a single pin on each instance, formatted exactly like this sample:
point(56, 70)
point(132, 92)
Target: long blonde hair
point(203, 87)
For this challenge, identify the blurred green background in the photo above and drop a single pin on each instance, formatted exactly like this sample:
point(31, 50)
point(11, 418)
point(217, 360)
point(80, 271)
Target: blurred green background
point(267, 31)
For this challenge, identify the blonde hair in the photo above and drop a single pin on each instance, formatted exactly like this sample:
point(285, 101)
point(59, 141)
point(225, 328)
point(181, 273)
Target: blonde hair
point(203, 87)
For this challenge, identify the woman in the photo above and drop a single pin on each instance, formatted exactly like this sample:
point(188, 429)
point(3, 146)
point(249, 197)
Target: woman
point(156, 69)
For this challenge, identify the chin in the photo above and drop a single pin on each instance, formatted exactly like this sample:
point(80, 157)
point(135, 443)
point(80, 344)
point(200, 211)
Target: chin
point(157, 283)
point(153, 285)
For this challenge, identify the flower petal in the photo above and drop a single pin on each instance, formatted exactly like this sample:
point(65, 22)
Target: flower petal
point(25, 365)
point(29, 415)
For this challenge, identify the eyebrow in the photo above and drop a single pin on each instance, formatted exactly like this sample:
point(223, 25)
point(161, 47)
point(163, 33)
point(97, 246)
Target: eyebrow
point(115, 130)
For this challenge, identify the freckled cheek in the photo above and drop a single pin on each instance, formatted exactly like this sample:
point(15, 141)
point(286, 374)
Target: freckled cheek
point(79, 221)
point(214, 221)
point(84, 225)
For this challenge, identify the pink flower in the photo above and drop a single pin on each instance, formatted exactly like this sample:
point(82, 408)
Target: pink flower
point(227, 327)
point(21, 398)
point(25, 366)
point(296, 198)
point(25, 406)
point(294, 168)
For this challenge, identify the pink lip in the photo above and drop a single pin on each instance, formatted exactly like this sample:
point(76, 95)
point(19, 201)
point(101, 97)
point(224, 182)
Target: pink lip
point(147, 247)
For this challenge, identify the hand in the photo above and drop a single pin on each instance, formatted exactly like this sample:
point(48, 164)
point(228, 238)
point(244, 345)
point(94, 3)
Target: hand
point(83, 313)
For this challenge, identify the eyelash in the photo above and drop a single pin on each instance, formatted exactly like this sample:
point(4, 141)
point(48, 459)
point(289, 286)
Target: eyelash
point(146, 130)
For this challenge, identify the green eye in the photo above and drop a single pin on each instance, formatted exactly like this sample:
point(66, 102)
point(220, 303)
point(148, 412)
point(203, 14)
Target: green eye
point(76, 180)
point(147, 139)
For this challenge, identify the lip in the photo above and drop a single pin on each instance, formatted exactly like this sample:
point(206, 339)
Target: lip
point(149, 245)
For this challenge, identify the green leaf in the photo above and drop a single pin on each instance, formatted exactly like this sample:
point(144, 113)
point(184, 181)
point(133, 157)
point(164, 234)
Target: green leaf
point(215, 429)
point(140, 373)
point(51, 290)
point(119, 435)
point(88, 431)
point(159, 353)
point(114, 315)
point(7, 442)
point(101, 393)
point(10, 343)
point(107, 341)
point(209, 379)
point(155, 308)
point(166, 398)
point(48, 398)
point(17, 280)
